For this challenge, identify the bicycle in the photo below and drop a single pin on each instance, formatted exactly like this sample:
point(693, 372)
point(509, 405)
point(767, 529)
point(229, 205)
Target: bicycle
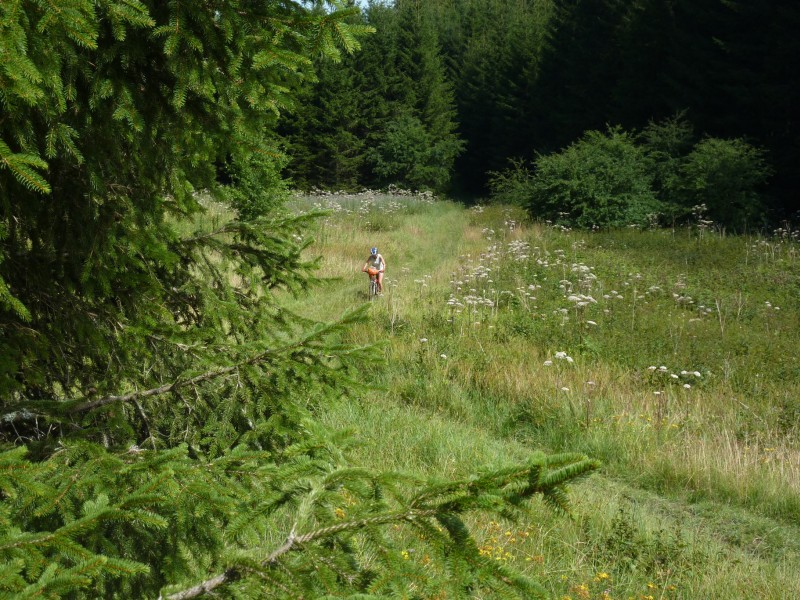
point(373, 284)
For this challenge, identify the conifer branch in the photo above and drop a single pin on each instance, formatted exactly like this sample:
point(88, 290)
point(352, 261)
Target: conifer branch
point(208, 375)
point(23, 414)
point(293, 541)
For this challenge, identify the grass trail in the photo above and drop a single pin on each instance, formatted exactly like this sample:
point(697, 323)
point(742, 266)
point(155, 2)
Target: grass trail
point(425, 242)
point(667, 517)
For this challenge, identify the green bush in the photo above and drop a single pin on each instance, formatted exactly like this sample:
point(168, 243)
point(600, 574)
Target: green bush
point(617, 178)
point(512, 186)
point(666, 145)
point(602, 180)
point(256, 185)
point(725, 176)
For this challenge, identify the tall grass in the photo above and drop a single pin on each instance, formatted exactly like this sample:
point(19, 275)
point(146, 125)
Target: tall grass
point(671, 355)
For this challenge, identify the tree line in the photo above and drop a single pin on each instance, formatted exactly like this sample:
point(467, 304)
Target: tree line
point(451, 91)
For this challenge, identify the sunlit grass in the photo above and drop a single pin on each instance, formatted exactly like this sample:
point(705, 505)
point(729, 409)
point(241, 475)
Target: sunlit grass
point(682, 377)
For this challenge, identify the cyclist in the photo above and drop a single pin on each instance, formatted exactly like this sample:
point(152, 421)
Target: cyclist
point(375, 265)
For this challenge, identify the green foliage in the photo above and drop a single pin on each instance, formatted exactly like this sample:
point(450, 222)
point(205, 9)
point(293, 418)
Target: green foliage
point(600, 181)
point(156, 430)
point(529, 78)
point(513, 185)
point(630, 549)
point(384, 116)
point(619, 178)
point(417, 95)
point(324, 134)
point(134, 522)
point(725, 175)
point(407, 153)
point(493, 53)
point(666, 145)
point(115, 115)
point(256, 186)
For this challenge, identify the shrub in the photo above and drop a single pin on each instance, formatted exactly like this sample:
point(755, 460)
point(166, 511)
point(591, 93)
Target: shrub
point(725, 175)
point(602, 180)
point(256, 184)
point(666, 145)
point(512, 186)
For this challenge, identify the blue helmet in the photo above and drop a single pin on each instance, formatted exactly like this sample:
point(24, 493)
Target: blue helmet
point(373, 251)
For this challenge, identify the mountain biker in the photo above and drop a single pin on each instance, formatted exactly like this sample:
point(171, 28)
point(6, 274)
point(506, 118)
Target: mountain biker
point(375, 265)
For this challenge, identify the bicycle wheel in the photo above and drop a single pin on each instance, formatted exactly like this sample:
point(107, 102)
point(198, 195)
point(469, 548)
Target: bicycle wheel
point(373, 288)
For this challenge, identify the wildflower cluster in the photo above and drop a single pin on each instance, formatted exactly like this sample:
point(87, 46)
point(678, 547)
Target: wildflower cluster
point(586, 278)
point(599, 587)
point(504, 545)
point(613, 295)
point(423, 281)
point(518, 250)
point(525, 294)
point(391, 200)
point(581, 300)
point(561, 356)
point(558, 226)
point(782, 245)
point(699, 213)
point(684, 378)
point(787, 233)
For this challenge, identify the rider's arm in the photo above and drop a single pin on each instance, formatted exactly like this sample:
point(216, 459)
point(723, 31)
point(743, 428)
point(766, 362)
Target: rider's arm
point(365, 267)
point(383, 263)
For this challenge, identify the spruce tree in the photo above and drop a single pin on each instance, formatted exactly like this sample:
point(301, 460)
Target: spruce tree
point(492, 50)
point(415, 144)
point(325, 132)
point(384, 116)
point(156, 437)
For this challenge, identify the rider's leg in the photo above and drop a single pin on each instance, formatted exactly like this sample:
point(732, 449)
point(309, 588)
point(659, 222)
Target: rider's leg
point(380, 283)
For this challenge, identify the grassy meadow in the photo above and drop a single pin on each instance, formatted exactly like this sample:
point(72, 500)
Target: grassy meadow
point(670, 355)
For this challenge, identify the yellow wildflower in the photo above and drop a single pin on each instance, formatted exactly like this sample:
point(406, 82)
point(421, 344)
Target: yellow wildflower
point(582, 590)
